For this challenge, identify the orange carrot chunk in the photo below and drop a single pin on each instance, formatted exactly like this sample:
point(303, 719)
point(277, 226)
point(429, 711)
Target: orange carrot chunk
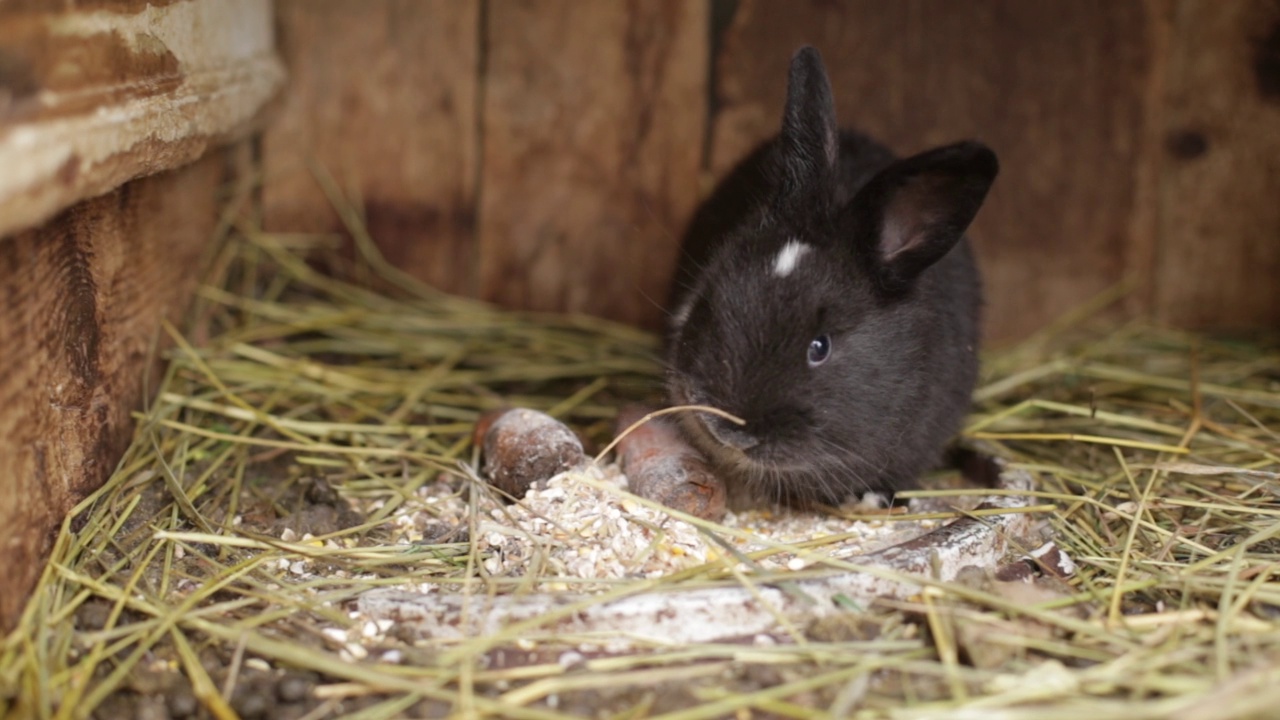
point(662, 467)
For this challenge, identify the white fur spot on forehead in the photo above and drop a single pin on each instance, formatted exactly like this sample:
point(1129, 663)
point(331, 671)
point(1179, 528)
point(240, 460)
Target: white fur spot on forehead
point(681, 315)
point(788, 256)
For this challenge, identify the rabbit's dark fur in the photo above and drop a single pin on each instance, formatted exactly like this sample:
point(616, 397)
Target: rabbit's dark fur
point(827, 296)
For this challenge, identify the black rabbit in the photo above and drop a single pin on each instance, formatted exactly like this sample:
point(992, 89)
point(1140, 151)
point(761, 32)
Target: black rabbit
point(827, 296)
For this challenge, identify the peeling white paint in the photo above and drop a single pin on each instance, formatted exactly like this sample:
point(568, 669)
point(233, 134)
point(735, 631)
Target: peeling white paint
point(225, 53)
point(201, 34)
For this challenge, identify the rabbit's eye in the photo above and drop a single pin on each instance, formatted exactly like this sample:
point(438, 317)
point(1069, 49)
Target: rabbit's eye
point(819, 350)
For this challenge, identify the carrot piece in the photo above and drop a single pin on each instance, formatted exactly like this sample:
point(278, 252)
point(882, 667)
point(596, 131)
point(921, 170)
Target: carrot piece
point(662, 467)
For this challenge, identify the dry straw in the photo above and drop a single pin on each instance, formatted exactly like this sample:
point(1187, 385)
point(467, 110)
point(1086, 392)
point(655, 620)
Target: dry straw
point(1159, 452)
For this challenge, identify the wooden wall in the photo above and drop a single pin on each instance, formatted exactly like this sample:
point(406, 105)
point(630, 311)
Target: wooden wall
point(548, 154)
point(81, 300)
point(1216, 233)
point(538, 154)
point(110, 188)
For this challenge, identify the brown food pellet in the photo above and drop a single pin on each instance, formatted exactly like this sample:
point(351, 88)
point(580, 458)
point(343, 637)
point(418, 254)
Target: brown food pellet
point(662, 467)
point(524, 447)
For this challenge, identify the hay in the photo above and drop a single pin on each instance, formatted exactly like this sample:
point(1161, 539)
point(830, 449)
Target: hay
point(301, 416)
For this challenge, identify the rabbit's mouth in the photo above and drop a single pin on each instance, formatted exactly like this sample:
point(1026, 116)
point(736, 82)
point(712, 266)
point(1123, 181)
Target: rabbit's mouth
point(739, 454)
point(720, 428)
point(729, 449)
point(762, 471)
point(698, 431)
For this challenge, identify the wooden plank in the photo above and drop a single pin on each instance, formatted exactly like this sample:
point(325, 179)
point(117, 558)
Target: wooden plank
point(81, 300)
point(593, 124)
point(92, 97)
point(1056, 88)
point(1218, 253)
point(382, 95)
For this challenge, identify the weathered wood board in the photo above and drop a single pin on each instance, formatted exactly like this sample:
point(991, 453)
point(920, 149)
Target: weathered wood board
point(1217, 255)
point(94, 95)
point(593, 124)
point(546, 159)
point(81, 301)
point(383, 97)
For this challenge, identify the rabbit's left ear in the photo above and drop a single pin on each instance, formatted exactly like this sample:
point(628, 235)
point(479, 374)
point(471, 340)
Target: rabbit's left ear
point(809, 143)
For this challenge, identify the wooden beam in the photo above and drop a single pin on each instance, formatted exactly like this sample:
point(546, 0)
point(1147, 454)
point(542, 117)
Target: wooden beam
point(92, 98)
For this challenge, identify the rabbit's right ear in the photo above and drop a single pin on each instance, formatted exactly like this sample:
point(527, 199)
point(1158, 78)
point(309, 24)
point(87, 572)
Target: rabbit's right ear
point(913, 212)
point(809, 142)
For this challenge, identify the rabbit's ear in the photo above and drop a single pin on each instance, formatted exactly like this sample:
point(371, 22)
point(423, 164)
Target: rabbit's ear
point(809, 142)
point(913, 212)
